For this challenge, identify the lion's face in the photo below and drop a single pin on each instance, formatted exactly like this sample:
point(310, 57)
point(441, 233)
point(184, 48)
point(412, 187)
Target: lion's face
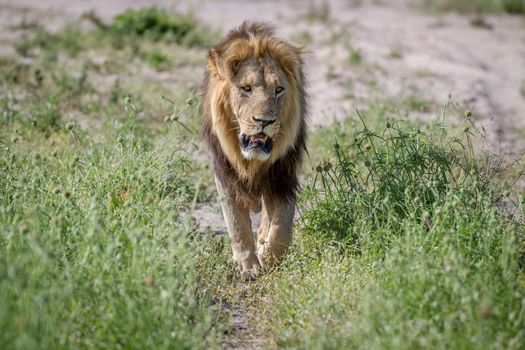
point(257, 98)
point(254, 102)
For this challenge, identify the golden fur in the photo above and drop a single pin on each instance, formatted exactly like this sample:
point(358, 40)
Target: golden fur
point(221, 69)
point(252, 54)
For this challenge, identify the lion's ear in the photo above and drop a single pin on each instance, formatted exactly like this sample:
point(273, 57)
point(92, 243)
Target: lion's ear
point(216, 65)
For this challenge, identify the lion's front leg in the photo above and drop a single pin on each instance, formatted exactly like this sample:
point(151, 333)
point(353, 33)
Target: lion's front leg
point(239, 227)
point(262, 232)
point(275, 233)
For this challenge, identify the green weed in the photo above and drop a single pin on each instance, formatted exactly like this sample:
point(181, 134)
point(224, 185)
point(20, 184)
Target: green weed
point(157, 61)
point(96, 250)
point(127, 31)
point(355, 57)
point(477, 6)
point(156, 24)
point(401, 244)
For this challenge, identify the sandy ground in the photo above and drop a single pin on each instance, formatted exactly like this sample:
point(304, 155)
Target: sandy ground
point(404, 52)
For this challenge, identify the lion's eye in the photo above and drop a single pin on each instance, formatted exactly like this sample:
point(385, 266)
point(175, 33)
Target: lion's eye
point(279, 89)
point(246, 88)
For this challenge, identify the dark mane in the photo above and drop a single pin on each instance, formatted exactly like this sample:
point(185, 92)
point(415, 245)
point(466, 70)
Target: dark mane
point(280, 178)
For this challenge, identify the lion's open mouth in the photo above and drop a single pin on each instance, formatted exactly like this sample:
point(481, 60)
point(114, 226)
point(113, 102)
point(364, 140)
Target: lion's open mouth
point(260, 141)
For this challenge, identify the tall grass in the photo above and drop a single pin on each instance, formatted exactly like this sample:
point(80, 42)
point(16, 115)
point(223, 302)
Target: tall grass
point(97, 248)
point(401, 245)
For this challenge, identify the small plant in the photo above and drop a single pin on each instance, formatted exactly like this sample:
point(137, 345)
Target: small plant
point(355, 57)
point(396, 52)
point(157, 24)
point(416, 103)
point(381, 178)
point(70, 40)
point(128, 29)
point(477, 6)
point(479, 21)
point(157, 60)
point(514, 6)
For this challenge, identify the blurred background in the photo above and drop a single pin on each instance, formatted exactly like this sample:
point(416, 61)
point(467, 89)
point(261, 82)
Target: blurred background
point(423, 53)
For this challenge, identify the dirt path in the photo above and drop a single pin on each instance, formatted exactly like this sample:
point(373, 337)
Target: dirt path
point(357, 53)
point(244, 333)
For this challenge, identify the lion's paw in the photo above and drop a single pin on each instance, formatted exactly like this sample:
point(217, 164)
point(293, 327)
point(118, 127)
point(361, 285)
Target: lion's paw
point(249, 267)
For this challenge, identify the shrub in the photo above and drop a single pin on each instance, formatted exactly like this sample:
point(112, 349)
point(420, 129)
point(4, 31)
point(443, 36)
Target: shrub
point(157, 24)
point(401, 245)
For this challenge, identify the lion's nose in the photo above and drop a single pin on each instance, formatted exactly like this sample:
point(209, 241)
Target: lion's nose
point(263, 122)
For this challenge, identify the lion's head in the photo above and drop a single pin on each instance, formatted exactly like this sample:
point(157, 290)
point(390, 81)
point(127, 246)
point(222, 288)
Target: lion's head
point(254, 97)
point(257, 97)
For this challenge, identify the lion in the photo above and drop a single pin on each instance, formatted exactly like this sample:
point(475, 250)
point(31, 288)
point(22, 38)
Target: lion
point(254, 117)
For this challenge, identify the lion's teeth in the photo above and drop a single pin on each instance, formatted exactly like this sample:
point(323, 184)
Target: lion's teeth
point(259, 137)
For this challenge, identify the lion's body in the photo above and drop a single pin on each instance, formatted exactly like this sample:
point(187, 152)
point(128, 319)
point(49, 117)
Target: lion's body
point(270, 109)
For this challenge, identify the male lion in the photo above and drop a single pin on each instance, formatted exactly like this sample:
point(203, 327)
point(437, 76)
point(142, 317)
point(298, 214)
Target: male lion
point(254, 121)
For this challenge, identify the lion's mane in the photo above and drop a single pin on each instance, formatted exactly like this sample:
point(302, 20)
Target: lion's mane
point(276, 177)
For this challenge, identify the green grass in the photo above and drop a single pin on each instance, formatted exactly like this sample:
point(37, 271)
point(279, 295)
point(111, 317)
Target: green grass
point(401, 245)
point(129, 32)
point(156, 24)
point(477, 6)
point(408, 236)
point(98, 248)
point(355, 57)
point(95, 252)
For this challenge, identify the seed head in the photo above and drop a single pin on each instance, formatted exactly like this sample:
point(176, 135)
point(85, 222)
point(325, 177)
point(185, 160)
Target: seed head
point(484, 312)
point(23, 227)
point(148, 280)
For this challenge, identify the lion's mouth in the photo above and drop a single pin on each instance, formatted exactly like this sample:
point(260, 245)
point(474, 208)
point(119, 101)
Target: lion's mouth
point(259, 141)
